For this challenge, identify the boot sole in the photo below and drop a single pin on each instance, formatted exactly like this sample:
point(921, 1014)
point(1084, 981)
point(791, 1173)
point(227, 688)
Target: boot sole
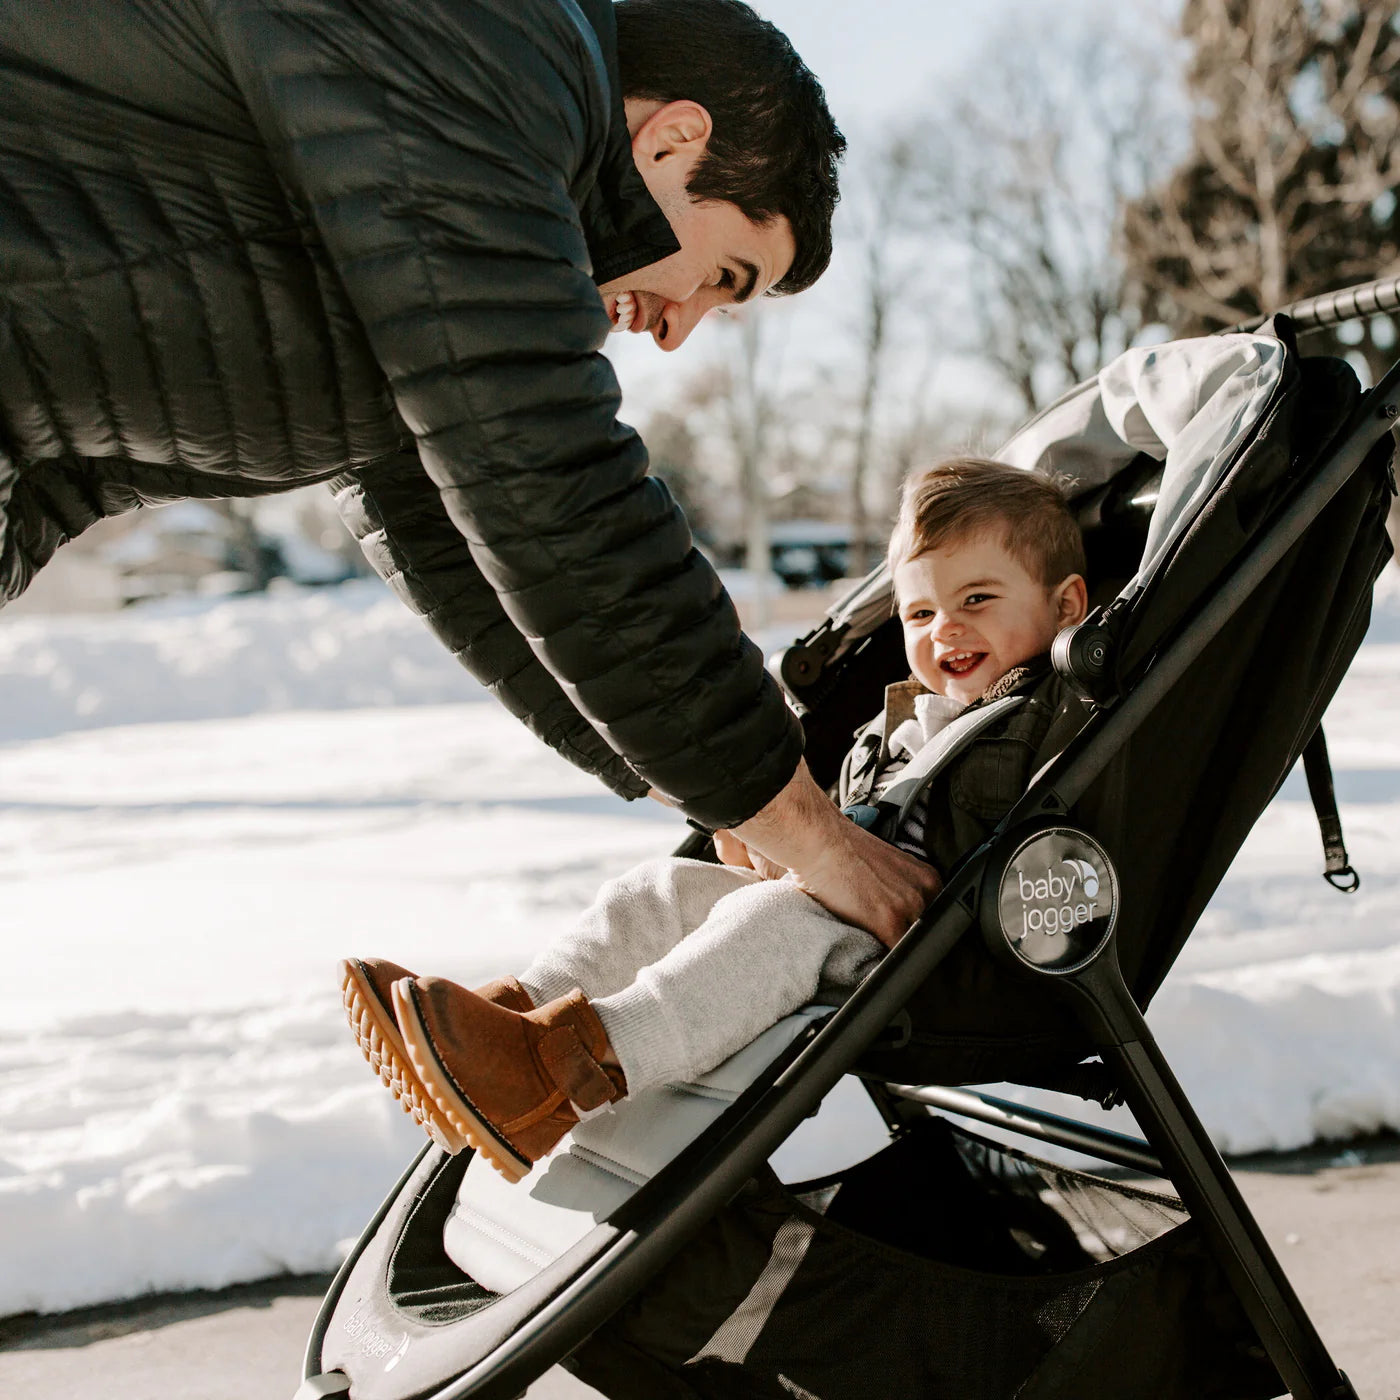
point(377, 1035)
point(447, 1115)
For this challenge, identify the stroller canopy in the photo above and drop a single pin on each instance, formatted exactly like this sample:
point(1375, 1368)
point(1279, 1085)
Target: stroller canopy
point(1189, 404)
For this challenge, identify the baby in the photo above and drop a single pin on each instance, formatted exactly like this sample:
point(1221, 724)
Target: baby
point(680, 963)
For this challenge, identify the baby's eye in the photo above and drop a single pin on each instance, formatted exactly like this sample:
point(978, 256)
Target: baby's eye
point(918, 615)
point(973, 599)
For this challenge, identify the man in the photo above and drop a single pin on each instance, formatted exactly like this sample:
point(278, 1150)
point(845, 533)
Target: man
point(250, 244)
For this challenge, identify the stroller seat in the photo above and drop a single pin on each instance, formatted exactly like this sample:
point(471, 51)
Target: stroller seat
point(502, 1234)
point(1233, 497)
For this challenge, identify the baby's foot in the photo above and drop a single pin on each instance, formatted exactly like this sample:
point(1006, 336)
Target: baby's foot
point(366, 985)
point(502, 1081)
point(366, 989)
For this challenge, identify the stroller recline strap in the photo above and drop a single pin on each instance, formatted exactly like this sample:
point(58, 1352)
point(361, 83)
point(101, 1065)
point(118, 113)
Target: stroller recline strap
point(1318, 768)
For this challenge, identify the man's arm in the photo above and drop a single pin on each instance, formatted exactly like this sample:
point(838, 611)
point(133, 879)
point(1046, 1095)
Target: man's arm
point(396, 514)
point(437, 144)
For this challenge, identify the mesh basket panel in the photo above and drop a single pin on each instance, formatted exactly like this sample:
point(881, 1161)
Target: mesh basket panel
point(945, 1266)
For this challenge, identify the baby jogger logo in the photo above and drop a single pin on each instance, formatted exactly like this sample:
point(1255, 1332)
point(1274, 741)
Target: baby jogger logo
point(373, 1343)
point(1057, 900)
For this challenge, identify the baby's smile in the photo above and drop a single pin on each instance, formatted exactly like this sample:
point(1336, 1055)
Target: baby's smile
point(961, 663)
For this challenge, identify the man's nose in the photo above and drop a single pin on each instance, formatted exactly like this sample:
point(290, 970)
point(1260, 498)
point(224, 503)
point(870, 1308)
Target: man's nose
point(677, 320)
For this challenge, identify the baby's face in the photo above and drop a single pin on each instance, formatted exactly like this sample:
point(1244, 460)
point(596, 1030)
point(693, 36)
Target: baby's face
point(971, 612)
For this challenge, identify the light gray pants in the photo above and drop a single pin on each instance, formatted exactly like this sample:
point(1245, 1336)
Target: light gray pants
point(686, 962)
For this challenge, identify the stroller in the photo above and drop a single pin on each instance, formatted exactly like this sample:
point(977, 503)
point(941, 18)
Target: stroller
point(1233, 497)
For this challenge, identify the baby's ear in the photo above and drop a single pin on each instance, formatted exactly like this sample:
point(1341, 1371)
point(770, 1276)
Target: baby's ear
point(1071, 601)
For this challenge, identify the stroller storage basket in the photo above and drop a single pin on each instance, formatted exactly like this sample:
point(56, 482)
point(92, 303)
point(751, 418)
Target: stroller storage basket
point(945, 1266)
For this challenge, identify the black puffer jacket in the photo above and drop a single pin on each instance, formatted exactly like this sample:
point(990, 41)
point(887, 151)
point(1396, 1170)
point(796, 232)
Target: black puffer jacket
point(250, 244)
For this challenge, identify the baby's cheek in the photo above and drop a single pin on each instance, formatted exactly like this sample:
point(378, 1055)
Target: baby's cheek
point(919, 654)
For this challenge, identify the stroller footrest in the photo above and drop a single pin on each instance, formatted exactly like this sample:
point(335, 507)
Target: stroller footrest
point(502, 1234)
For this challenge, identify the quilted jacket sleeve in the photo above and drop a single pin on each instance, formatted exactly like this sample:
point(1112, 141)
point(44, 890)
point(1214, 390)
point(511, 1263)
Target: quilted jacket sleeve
point(439, 145)
point(399, 520)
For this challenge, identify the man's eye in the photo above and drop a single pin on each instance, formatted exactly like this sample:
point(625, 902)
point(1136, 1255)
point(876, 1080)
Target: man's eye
point(726, 281)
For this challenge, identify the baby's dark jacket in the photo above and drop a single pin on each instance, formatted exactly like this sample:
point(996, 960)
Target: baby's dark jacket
point(973, 1021)
point(968, 799)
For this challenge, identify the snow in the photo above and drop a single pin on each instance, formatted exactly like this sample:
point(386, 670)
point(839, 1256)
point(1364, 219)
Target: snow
point(328, 649)
point(204, 806)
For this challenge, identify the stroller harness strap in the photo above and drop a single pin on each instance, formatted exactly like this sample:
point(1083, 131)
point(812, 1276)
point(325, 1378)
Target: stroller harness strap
point(1318, 768)
point(894, 802)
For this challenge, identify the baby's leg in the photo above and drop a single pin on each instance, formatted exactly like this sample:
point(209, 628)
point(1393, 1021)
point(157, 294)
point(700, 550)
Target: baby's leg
point(761, 953)
point(636, 920)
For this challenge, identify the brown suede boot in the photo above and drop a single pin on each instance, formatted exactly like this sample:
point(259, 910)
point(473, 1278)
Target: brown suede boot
point(504, 991)
point(366, 989)
point(503, 1082)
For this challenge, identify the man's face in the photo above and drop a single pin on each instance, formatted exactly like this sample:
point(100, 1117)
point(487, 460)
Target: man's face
point(725, 259)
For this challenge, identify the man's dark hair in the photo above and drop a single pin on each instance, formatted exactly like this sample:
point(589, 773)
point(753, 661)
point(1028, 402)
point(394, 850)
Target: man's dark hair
point(774, 146)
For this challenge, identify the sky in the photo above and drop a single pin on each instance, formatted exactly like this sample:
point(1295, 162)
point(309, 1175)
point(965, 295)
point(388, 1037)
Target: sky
point(873, 59)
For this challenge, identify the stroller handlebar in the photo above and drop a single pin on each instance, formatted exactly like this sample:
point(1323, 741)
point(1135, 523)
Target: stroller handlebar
point(1333, 308)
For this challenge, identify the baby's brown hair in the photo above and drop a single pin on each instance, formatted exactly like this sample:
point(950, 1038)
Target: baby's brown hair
point(971, 496)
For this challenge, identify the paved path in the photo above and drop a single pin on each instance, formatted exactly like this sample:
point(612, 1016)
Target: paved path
point(1334, 1219)
point(241, 1343)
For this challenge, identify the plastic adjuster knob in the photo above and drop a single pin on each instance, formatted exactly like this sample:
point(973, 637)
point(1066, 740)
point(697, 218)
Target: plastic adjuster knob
point(1081, 655)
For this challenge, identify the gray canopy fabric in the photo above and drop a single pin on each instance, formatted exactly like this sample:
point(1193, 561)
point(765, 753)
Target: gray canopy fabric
point(1188, 403)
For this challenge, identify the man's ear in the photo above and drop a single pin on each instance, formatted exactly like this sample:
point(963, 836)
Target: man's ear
point(675, 129)
point(1071, 601)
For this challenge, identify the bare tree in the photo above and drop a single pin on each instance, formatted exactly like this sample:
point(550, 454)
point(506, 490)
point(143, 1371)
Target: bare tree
point(750, 412)
point(733, 415)
point(1023, 173)
point(674, 449)
point(1291, 184)
point(883, 218)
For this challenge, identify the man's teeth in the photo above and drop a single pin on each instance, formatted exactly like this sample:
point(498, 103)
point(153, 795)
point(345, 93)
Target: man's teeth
point(625, 310)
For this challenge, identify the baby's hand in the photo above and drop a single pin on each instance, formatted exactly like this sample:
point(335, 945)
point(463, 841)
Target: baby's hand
point(732, 851)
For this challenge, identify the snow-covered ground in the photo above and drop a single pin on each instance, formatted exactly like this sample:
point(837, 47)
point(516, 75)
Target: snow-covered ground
point(203, 807)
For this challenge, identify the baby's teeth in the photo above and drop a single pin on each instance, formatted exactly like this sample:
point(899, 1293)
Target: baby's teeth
point(625, 308)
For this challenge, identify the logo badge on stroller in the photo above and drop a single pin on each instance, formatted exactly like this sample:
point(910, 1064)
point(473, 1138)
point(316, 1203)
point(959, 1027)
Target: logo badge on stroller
point(1057, 900)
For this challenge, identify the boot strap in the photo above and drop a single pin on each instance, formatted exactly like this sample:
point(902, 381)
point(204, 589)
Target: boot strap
point(574, 1070)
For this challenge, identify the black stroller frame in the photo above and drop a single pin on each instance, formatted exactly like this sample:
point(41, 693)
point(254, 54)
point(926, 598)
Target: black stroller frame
point(496, 1352)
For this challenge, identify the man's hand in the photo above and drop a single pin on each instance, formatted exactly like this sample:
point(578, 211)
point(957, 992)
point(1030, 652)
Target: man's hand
point(858, 877)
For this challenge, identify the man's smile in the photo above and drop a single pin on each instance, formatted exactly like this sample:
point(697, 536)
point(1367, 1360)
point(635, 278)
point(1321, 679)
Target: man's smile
point(633, 311)
point(622, 311)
